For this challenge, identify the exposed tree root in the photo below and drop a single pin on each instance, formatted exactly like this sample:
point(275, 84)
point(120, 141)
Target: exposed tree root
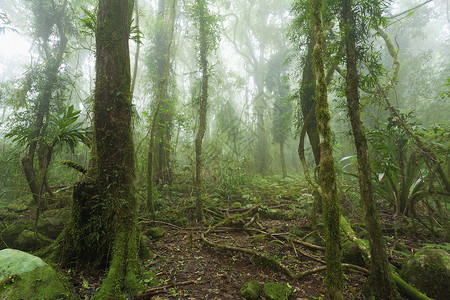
point(263, 257)
point(163, 289)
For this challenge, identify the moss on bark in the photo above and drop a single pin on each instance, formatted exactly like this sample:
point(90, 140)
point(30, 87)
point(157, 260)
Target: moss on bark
point(327, 175)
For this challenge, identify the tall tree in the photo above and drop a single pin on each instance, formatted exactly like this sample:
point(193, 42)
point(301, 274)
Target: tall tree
point(327, 175)
point(114, 142)
point(162, 173)
point(103, 227)
point(161, 121)
point(380, 280)
point(255, 37)
point(207, 41)
point(51, 38)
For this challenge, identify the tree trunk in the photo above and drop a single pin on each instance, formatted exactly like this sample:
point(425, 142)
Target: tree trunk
point(380, 280)
point(283, 162)
point(162, 171)
point(327, 175)
point(162, 87)
point(307, 91)
point(114, 145)
point(203, 106)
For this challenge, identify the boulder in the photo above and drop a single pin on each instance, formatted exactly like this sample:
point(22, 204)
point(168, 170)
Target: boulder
point(29, 241)
point(16, 262)
point(429, 270)
point(12, 231)
point(251, 290)
point(277, 291)
point(24, 276)
point(52, 223)
point(155, 233)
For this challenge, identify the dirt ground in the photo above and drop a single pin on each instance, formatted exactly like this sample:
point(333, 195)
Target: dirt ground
point(185, 267)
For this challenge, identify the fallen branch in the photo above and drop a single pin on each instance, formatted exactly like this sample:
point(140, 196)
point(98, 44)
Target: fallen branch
point(162, 289)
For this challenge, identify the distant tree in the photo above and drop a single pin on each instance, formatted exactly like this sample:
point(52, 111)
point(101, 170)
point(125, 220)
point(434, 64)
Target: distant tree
point(160, 76)
point(255, 38)
point(207, 37)
point(282, 106)
point(158, 168)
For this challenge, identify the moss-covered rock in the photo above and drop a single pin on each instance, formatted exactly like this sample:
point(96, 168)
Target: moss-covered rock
point(155, 233)
point(144, 251)
point(351, 254)
point(429, 271)
point(11, 232)
point(16, 262)
point(41, 283)
point(298, 231)
point(52, 223)
point(276, 291)
point(29, 241)
point(251, 290)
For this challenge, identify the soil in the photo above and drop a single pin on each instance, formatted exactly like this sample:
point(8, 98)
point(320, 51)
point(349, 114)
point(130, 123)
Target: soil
point(186, 268)
point(183, 266)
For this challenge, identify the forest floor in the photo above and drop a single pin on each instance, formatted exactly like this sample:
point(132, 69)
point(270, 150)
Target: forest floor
point(183, 266)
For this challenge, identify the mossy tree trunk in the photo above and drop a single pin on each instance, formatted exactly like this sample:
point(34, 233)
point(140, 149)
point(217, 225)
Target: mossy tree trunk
point(327, 175)
point(163, 173)
point(203, 100)
point(114, 173)
point(380, 280)
point(307, 91)
point(161, 121)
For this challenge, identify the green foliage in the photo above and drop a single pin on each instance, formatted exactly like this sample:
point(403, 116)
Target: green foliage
point(89, 22)
point(400, 173)
point(64, 130)
point(200, 13)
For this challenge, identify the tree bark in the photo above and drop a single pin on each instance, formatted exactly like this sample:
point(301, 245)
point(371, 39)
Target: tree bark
point(380, 280)
point(282, 160)
point(114, 145)
point(202, 107)
point(163, 173)
point(327, 175)
point(307, 91)
point(156, 116)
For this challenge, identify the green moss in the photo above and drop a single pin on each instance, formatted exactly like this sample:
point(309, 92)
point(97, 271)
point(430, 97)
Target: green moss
point(276, 291)
point(251, 290)
point(9, 234)
point(236, 205)
point(353, 255)
point(16, 262)
point(29, 241)
point(155, 233)
point(42, 283)
point(429, 270)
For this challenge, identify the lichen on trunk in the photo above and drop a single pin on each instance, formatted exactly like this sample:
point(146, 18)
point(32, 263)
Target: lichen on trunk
point(327, 175)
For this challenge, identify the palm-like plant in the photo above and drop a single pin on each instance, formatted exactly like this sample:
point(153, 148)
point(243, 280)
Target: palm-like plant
point(64, 130)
